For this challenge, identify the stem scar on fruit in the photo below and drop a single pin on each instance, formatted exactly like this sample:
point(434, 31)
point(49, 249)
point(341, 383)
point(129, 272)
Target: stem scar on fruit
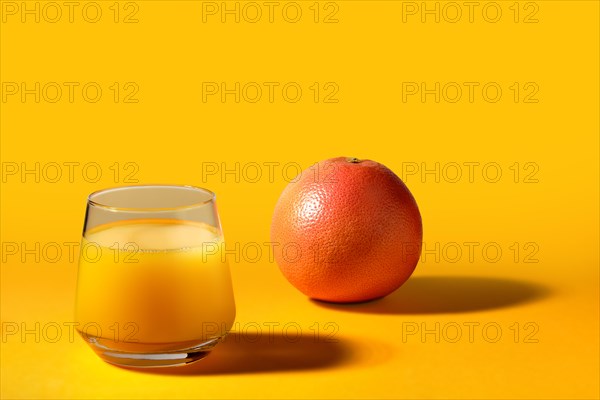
point(353, 160)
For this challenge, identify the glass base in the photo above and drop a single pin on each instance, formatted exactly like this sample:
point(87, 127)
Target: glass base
point(147, 355)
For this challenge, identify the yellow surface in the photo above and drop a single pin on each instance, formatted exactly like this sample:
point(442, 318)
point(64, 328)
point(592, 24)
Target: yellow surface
point(542, 212)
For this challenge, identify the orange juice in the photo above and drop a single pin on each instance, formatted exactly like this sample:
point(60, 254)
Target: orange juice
point(153, 285)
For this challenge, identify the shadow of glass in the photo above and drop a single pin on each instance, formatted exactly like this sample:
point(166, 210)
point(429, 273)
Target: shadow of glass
point(448, 294)
point(255, 353)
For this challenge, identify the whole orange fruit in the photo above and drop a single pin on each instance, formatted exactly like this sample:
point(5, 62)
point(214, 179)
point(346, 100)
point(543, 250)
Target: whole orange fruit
point(346, 230)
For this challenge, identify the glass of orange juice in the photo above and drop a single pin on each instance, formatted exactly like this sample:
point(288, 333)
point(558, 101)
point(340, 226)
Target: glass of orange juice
point(153, 287)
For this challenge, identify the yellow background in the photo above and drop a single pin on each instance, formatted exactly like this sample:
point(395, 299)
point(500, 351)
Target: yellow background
point(170, 134)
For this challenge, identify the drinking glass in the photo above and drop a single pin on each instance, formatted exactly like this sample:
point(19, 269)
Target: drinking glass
point(153, 287)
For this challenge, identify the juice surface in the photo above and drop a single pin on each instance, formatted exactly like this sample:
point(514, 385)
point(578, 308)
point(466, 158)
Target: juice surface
point(154, 281)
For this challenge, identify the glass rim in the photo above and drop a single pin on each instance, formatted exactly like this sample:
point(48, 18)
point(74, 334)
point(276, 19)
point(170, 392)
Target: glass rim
point(109, 207)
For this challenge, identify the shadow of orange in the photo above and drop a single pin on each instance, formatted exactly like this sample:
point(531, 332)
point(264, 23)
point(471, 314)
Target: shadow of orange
point(243, 354)
point(448, 294)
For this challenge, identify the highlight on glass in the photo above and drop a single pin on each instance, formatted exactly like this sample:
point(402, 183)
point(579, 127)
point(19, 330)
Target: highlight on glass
point(153, 286)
